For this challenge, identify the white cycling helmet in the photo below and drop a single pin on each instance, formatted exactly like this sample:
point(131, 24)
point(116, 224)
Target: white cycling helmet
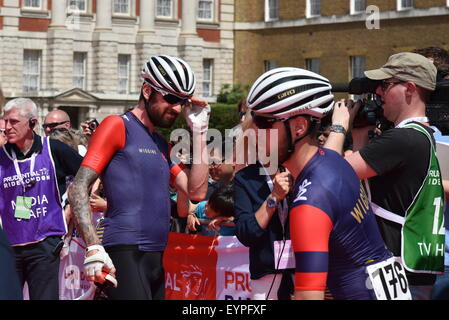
point(171, 74)
point(287, 92)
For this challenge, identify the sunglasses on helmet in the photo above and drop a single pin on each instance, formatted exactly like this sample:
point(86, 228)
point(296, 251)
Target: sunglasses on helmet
point(170, 98)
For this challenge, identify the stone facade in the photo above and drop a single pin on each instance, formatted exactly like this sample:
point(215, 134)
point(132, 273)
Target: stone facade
point(102, 36)
point(334, 36)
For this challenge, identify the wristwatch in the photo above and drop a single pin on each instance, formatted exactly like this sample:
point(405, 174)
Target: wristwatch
point(272, 202)
point(338, 129)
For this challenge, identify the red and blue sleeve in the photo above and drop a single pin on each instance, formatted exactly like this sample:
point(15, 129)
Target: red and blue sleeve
point(310, 230)
point(175, 169)
point(109, 138)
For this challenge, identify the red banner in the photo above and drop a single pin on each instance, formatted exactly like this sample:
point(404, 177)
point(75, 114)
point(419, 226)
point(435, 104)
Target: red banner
point(190, 263)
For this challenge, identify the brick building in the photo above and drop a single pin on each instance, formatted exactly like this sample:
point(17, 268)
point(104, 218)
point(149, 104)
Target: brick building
point(85, 56)
point(332, 36)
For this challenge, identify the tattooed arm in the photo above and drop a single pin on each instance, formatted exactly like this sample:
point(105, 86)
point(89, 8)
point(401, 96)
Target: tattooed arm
point(79, 200)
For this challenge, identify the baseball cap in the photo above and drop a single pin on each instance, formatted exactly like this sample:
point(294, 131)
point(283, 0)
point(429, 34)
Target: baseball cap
point(407, 66)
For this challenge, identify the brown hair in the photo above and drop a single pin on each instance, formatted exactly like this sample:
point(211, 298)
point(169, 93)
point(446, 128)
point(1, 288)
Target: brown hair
point(69, 137)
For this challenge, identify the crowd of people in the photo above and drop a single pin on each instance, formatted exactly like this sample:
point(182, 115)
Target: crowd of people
point(360, 210)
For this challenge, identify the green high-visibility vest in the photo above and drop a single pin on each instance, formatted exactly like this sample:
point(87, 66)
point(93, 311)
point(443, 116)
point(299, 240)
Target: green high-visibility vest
point(423, 232)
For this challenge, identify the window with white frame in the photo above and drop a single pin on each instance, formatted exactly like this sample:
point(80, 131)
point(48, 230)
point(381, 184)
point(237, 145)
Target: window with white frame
point(313, 65)
point(357, 6)
point(164, 8)
point(206, 9)
point(313, 8)
point(31, 70)
point(404, 4)
point(121, 7)
point(208, 76)
point(123, 73)
point(357, 66)
point(269, 64)
point(78, 5)
point(32, 4)
point(79, 70)
point(357, 70)
point(271, 10)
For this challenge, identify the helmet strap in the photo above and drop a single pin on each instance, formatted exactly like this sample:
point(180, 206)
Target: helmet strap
point(291, 145)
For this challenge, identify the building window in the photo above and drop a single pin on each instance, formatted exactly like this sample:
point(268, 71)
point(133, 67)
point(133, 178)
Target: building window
point(79, 70)
point(404, 4)
point(357, 6)
point(357, 66)
point(164, 8)
point(78, 5)
point(313, 8)
point(206, 9)
point(208, 76)
point(123, 73)
point(313, 65)
point(269, 64)
point(357, 70)
point(271, 10)
point(31, 70)
point(32, 4)
point(121, 7)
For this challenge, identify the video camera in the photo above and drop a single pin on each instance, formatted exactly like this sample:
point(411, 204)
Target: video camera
point(371, 113)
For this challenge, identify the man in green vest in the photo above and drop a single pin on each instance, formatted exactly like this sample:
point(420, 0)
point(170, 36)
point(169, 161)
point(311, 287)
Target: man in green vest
point(405, 182)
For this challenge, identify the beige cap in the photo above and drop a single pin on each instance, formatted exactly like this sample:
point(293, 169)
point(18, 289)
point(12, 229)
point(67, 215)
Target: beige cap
point(407, 66)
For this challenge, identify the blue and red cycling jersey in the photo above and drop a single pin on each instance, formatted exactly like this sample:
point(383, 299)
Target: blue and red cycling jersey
point(135, 169)
point(333, 229)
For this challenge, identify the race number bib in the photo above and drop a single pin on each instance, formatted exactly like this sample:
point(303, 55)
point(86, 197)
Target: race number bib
point(389, 280)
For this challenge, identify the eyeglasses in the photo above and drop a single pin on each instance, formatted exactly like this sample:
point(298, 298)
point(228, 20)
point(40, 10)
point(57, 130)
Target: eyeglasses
point(385, 84)
point(53, 124)
point(264, 122)
point(170, 98)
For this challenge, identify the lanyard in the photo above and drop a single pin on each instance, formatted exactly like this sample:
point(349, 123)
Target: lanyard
point(17, 168)
point(282, 207)
point(416, 119)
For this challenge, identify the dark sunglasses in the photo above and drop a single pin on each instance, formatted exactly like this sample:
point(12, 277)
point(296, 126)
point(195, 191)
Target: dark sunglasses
point(171, 98)
point(263, 122)
point(385, 84)
point(53, 125)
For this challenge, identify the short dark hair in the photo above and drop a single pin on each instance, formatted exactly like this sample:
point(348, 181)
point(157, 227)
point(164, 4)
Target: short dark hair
point(439, 55)
point(222, 201)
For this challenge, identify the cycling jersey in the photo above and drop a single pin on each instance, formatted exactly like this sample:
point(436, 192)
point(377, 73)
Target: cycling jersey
point(333, 229)
point(135, 167)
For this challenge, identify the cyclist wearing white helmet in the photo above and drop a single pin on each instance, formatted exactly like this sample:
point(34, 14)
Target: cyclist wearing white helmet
point(332, 227)
point(134, 163)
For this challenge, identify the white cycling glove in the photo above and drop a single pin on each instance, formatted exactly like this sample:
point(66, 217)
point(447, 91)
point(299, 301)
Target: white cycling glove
point(197, 117)
point(97, 261)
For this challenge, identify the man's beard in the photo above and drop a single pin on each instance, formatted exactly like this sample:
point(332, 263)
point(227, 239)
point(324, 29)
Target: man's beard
point(158, 120)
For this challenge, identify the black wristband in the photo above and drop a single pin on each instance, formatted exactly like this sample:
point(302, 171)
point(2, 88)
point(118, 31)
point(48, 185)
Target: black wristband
point(338, 129)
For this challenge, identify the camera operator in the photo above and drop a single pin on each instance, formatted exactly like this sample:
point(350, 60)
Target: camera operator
point(405, 179)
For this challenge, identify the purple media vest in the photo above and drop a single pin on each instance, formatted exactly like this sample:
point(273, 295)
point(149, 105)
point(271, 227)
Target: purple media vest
point(47, 218)
point(136, 184)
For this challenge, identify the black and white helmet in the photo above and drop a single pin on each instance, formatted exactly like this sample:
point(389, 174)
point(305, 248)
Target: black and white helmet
point(287, 92)
point(171, 74)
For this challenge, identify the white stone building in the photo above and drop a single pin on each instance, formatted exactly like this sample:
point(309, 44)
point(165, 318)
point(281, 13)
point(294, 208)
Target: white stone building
point(85, 56)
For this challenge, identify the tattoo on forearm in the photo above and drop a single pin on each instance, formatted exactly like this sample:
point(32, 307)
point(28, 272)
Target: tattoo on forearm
point(79, 201)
